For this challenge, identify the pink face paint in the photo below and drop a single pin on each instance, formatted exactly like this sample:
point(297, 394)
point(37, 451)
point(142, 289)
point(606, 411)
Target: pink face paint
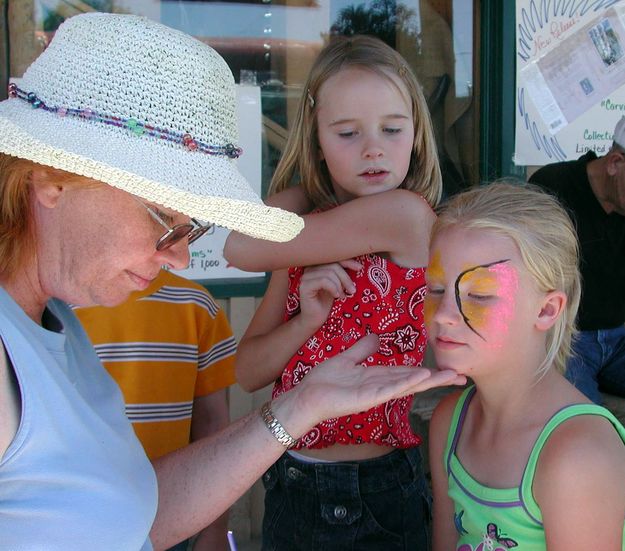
point(503, 310)
point(487, 299)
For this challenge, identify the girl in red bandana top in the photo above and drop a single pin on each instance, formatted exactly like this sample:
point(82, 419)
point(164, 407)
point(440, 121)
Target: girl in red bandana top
point(363, 153)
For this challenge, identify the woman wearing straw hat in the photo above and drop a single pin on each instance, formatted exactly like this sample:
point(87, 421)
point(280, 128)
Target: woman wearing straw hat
point(114, 145)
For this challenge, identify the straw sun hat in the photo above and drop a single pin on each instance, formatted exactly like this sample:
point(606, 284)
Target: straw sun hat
point(144, 108)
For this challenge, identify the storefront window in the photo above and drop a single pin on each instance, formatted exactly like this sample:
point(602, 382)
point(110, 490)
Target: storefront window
point(272, 44)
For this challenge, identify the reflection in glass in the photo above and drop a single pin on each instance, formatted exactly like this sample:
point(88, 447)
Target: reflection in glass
point(272, 43)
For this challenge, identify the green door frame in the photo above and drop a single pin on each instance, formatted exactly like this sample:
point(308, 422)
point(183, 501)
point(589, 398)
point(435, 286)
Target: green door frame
point(498, 90)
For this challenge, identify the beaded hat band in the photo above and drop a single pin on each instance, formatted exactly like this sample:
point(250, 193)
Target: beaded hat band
point(142, 107)
point(136, 127)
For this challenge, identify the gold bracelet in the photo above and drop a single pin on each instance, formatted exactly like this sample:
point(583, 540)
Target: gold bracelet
point(275, 427)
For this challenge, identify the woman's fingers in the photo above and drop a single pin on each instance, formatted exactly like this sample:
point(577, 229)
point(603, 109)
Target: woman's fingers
point(341, 385)
point(362, 349)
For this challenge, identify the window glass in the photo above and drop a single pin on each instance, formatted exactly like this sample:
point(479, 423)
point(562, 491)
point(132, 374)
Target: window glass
point(272, 44)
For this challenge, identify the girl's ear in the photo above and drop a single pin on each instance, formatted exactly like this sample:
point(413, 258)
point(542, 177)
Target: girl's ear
point(46, 191)
point(552, 307)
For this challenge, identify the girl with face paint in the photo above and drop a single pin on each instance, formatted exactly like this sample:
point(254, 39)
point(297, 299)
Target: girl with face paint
point(520, 458)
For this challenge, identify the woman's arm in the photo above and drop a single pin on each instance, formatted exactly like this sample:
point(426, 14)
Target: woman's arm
point(579, 486)
point(269, 342)
point(200, 481)
point(443, 527)
point(211, 415)
point(397, 222)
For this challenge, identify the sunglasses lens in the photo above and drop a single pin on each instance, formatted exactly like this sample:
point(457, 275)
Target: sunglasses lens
point(199, 232)
point(174, 235)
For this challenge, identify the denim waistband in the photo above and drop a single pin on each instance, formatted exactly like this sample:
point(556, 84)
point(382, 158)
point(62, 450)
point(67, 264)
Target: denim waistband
point(400, 467)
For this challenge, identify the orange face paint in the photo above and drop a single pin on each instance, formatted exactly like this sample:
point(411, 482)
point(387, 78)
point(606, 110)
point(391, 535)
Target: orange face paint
point(474, 311)
point(485, 295)
point(489, 293)
point(435, 275)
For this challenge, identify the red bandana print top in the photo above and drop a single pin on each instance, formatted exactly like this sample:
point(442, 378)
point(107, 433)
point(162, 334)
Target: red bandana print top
point(388, 302)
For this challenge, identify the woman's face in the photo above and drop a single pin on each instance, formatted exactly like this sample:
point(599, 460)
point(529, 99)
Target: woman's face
point(96, 243)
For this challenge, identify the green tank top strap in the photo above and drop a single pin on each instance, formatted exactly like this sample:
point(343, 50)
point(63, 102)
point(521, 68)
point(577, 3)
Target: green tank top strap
point(457, 420)
point(527, 496)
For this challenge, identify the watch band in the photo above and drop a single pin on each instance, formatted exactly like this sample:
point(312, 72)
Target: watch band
point(275, 427)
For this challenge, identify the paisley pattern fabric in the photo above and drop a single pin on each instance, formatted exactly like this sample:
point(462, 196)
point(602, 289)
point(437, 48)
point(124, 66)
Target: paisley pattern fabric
point(388, 302)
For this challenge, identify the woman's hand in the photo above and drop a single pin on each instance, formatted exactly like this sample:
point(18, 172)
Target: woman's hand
point(321, 286)
point(241, 452)
point(341, 385)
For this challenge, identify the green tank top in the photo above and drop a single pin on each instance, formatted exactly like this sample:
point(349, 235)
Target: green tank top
point(497, 519)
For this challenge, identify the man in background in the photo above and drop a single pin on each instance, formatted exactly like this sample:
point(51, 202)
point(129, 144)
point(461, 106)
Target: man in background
point(593, 190)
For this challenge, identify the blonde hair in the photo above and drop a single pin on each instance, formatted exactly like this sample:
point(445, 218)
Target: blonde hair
point(17, 232)
point(300, 159)
point(544, 233)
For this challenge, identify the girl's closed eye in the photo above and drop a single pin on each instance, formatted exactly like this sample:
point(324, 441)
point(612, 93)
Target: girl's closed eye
point(347, 133)
point(480, 297)
point(395, 130)
point(435, 290)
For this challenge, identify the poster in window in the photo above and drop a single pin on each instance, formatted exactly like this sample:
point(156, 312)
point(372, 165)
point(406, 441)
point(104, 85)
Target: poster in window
point(570, 80)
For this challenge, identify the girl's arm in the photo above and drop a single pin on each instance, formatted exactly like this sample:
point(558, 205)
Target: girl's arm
point(292, 199)
point(443, 527)
point(397, 222)
point(269, 342)
point(579, 486)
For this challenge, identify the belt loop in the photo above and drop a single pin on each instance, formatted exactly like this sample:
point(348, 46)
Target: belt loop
point(414, 458)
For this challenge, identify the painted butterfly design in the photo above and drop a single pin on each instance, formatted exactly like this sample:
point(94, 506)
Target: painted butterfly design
point(492, 540)
point(495, 535)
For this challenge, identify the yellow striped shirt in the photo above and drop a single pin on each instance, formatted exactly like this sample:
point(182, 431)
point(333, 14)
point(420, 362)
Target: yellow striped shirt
point(165, 346)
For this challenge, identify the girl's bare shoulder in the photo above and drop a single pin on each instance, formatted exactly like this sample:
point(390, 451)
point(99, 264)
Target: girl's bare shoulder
point(406, 199)
point(578, 442)
point(293, 199)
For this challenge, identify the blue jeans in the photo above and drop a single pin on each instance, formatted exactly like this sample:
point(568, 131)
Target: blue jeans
point(378, 504)
point(598, 363)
